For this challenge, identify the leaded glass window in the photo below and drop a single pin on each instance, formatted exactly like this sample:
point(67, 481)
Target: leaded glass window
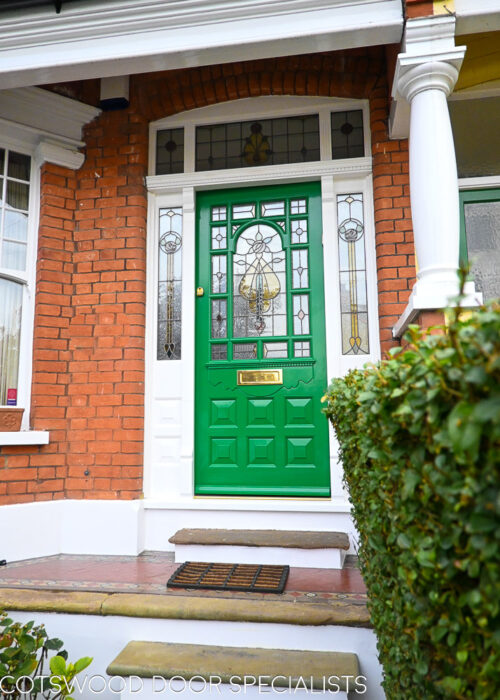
point(169, 284)
point(255, 143)
point(352, 265)
point(347, 134)
point(169, 151)
point(259, 283)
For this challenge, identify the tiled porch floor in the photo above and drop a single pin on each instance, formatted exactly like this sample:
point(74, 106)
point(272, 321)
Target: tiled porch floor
point(149, 572)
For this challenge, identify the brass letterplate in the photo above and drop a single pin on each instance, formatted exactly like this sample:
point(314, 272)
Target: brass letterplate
point(260, 376)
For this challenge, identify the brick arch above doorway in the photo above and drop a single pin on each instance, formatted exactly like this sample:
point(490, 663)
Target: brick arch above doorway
point(354, 74)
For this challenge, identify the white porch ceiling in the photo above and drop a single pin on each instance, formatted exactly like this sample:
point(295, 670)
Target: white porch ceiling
point(118, 37)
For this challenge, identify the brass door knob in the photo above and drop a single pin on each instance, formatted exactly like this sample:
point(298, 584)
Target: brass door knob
point(200, 291)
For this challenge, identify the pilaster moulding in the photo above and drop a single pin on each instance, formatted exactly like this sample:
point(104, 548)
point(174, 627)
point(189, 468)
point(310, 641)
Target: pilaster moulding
point(48, 114)
point(430, 61)
point(99, 38)
point(60, 154)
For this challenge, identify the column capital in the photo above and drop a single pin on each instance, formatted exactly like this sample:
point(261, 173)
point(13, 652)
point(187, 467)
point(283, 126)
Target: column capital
point(430, 75)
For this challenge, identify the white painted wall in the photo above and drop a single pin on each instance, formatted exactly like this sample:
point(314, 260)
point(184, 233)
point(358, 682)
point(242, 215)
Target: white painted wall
point(104, 637)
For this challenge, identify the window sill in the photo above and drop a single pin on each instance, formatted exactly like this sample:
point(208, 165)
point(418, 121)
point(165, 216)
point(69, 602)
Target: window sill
point(24, 437)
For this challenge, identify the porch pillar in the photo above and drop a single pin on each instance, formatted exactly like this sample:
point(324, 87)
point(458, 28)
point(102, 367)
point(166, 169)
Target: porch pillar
point(426, 74)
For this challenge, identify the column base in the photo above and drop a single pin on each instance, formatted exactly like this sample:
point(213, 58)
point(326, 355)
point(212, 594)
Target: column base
point(426, 305)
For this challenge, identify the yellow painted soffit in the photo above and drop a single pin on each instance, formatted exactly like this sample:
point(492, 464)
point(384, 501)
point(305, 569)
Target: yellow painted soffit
point(482, 59)
point(444, 7)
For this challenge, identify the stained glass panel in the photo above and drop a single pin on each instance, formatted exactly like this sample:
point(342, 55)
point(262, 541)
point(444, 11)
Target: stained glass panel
point(259, 283)
point(301, 314)
point(302, 348)
point(169, 151)
point(275, 350)
point(219, 237)
point(258, 143)
point(300, 271)
point(299, 230)
point(347, 134)
point(219, 276)
point(219, 213)
point(298, 206)
point(219, 318)
point(170, 284)
point(273, 208)
point(244, 211)
point(219, 351)
point(244, 351)
point(352, 264)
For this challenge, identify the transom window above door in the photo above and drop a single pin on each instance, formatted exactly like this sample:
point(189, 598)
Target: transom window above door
point(322, 129)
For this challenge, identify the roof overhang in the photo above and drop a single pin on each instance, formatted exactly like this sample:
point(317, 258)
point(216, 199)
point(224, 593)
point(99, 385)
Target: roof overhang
point(118, 37)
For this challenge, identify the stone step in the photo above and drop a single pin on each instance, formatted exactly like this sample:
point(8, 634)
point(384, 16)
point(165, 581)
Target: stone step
point(293, 547)
point(195, 669)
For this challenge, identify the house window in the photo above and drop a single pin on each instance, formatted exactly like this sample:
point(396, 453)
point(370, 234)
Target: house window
point(318, 134)
point(15, 169)
point(480, 238)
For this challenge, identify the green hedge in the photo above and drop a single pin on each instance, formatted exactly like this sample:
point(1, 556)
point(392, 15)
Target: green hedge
point(419, 438)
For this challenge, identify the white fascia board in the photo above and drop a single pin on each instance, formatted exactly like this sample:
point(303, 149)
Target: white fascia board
point(125, 37)
point(46, 113)
point(475, 16)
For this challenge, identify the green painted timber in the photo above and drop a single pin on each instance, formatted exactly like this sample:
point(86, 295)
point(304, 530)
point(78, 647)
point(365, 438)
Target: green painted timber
point(261, 309)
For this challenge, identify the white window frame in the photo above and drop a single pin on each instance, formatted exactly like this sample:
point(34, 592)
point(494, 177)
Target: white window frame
point(27, 278)
point(337, 177)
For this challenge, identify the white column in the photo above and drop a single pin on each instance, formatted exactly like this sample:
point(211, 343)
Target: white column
point(433, 181)
point(426, 73)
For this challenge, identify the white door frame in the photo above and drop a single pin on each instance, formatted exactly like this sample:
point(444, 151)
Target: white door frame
point(169, 390)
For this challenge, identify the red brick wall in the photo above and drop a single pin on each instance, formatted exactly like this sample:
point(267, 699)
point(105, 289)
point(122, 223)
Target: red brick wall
point(88, 383)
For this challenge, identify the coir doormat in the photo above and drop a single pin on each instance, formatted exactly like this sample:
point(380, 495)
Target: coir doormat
point(262, 578)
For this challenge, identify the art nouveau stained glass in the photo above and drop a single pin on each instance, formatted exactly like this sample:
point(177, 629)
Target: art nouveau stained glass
point(169, 284)
point(244, 351)
point(244, 211)
point(298, 206)
point(219, 237)
point(300, 269)
point(219, 213)
point(302, 348)
point(301, 314)
point(347, 134)
point(258, 143)
point(352, 265)
point(299, 230)
point(275, 350)
point(219, 318)
point(219, 274)
point(170, 151)
point(219, 351)
point(259, 283)
point(273, 208)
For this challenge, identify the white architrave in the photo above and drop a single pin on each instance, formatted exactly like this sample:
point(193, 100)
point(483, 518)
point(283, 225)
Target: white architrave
point(102, 38)
point(170, 408)
point(425, 75)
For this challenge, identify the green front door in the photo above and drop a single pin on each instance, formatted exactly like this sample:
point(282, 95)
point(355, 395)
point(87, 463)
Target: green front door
point(260, 344)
